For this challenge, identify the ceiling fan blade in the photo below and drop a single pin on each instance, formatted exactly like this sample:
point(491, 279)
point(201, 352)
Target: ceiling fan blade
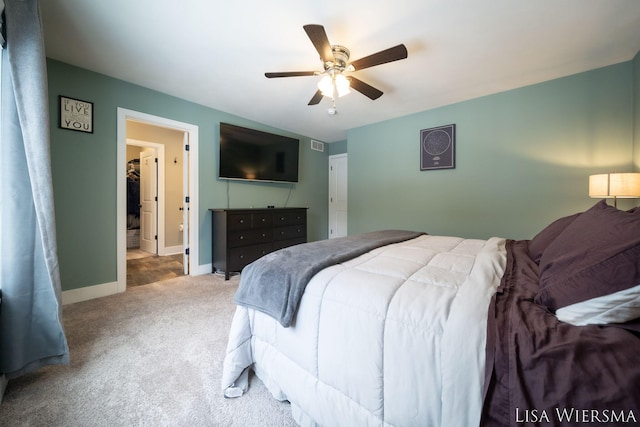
point(319, 39)
point(388, 55)
point(364, 88)
point(316, 98)
point(290, 74)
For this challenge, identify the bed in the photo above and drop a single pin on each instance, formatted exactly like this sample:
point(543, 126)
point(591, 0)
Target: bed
point(397, 328)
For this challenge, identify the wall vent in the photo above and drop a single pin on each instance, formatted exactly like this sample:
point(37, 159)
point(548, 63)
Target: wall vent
point(317, 145)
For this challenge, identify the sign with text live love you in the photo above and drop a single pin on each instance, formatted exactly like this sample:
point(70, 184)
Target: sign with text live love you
point(76, 114)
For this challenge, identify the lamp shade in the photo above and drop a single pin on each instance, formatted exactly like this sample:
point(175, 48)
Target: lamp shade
point(624, 185)
point(599, 185)
point(617, 185)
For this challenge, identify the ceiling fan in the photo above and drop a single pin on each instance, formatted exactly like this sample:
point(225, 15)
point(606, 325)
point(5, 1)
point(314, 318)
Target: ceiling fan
point(335, 61)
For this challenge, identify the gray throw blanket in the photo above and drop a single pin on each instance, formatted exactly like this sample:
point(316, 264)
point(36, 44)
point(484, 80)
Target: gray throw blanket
point(274, 284)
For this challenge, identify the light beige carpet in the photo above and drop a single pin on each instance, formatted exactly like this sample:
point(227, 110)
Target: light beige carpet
point(151, 356)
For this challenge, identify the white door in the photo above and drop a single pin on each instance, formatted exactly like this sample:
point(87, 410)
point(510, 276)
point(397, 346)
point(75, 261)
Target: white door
point(337, 195)
point(148, 200)
point(185, 203)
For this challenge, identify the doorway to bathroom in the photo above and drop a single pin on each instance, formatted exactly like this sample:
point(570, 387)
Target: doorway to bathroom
point(154, 253)
point(155, 235)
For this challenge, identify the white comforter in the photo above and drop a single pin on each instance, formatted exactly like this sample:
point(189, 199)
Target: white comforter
point(394, 337)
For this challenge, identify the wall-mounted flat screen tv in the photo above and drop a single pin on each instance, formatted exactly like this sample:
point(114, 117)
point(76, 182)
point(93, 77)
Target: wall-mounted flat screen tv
point(255, 155)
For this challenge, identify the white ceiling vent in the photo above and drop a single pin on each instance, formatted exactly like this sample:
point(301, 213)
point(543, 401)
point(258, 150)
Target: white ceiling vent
point(317, 145)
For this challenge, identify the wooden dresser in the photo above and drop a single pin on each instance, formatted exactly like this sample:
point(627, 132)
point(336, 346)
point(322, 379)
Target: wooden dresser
point(240, 236)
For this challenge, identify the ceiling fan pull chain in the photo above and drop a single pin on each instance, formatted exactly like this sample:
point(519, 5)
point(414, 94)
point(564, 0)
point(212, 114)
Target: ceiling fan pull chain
point(333, 110)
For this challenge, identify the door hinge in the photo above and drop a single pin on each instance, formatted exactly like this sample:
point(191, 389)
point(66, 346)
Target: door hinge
point(156, 160)
point(156, 198)
point(186, 199)
point(186, 251)
point(156, 237)
point(186, 147)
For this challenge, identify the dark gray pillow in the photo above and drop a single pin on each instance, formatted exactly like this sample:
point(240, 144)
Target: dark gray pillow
point(543, 239)
point(597, 254)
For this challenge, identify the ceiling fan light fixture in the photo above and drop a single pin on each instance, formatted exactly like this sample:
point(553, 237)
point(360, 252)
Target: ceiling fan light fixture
point(342, 85)
point(326, 86)
point(330, 85)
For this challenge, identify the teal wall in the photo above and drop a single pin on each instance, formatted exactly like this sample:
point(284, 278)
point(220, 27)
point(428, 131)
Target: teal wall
point(84, 173)
point(523, 158)
point(338, 147)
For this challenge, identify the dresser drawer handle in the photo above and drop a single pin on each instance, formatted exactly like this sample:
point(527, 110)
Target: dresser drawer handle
point(264, 234)
point(264, 219)
point(241, 256)
point(241, 221)
point(241, 237)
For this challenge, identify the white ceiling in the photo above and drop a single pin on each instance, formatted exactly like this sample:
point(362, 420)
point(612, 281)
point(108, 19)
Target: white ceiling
point(215, 53)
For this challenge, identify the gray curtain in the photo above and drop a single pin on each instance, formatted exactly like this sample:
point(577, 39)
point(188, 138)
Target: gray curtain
point(31, 332)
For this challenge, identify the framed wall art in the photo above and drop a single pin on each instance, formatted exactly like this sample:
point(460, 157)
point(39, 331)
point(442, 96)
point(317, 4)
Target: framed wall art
point(76, 114)
point(438, 148)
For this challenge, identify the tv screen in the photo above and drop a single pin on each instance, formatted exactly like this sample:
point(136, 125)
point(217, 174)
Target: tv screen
point(251, 154)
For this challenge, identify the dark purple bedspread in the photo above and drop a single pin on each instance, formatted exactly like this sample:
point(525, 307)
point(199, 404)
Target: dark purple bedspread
point(541, 371)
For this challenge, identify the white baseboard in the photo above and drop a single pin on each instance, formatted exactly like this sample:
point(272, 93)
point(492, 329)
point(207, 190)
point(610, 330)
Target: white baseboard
point(174, 250)
point(203, 269)
point(97, 291)
point(89, 292)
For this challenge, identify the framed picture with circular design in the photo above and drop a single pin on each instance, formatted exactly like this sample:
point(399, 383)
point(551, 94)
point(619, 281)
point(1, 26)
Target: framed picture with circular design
point(438, 148)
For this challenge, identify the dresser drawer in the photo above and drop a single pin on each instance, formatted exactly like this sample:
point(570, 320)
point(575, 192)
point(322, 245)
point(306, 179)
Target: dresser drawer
point(240, 257)
point(262, 220)
point(249, 237)
point(289, 232)
point(289, 218)
point(239, 221)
